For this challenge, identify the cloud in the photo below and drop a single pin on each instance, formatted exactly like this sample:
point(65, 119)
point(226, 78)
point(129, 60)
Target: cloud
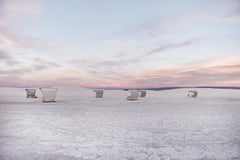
point(218, 72)
point(125, 60)
point(124, 65)
point(226, 11)
point(200, 74)
point(4, 55)
point(97, 73)
point(14, 72)
point(12, 14)
point(21, 8)
point(232, 7)
point(44, 62)
point(232, 13)
point(40, 77)
point(150, 28)
point(33, 68)
point(188, 17)
point(169, 46)
point(162, 27)
point(6, 37)
point(7, 58)
point(10, 37)
point(16, 81)
point(126, 69)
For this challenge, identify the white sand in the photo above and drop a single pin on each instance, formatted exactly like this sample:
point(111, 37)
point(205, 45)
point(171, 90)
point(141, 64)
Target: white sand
point(164, 125)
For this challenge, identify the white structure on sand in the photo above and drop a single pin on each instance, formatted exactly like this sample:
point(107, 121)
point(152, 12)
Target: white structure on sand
point(99, 93)
point(49, 94)
point(192, 93)
point(143, 93)
point(133, 95)
point(31, 93)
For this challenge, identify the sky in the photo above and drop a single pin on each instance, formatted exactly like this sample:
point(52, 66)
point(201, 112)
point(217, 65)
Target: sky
point(119, 43)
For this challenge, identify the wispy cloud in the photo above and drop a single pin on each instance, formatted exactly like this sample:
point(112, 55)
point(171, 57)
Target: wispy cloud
point(138, 57)
point(214, 72)
point(6, 37)
point(124, 59)
point(33, 69)
point(113, 67)
point(20, 8)
point(150, 28)
point(7, 58)
point(201, 74)
point(10, 37)
point(170, 46)
point(224, 11)
point(12, 14)
point(232, 11)
point(41, 61)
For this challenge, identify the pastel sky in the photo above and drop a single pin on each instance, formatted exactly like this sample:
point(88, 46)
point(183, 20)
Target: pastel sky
point(119, 43)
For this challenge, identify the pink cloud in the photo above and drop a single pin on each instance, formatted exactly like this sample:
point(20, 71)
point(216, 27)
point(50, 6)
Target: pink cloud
point(105, 74)
point(225, 74)
point(7, 58)
point(212, 72)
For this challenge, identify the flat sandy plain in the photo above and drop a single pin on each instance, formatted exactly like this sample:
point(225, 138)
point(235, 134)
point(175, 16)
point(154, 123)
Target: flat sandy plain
point(166, 125)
